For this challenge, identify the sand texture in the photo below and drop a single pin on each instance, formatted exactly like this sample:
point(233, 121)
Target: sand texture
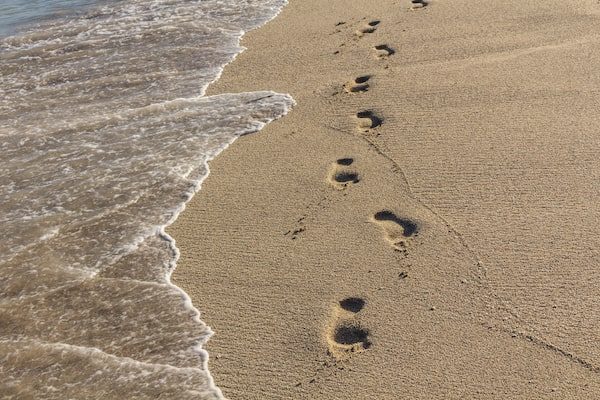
point(424, 223)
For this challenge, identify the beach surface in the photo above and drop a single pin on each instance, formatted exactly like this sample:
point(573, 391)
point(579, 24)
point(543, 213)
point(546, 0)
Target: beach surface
point(424, 223)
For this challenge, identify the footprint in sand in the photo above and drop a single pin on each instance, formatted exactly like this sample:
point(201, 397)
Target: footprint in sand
point(397, 229)
point(341, 175)
point(357, 85)
point(346, 336)
point(368, 28)
point(368, 120)
point(383, 51)
point(418, 4)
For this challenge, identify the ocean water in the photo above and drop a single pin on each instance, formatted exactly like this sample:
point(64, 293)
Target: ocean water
point(15, 14)
point(105, 134)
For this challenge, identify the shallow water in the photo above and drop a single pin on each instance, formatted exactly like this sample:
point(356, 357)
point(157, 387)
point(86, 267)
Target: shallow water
point(104, 135)
point(15, 14)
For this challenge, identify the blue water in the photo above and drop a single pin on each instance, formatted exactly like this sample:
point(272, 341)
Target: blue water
point(15, 14)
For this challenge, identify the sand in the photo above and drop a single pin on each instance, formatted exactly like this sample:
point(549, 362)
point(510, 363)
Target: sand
point(423, 224)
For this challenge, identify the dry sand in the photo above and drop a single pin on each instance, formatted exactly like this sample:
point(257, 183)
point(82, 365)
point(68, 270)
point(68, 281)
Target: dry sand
point(463, 234)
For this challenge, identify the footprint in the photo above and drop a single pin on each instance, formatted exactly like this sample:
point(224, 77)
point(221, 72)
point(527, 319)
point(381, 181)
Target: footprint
point(340, 176)
point(347, 336)
point(383, 51)
point(359, 84)
point(418, 4)
point(397, 229)
point(368, 28)
point(368, 120)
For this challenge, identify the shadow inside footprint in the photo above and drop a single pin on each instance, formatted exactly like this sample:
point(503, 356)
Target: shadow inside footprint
point(346, 177)
point(345, 161)
point(350, 335)
point(368, 120)
point(409, 227)
point(352, 304)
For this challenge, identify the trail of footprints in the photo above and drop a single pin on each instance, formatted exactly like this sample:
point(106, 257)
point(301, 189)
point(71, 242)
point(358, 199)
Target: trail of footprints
point(345, 334)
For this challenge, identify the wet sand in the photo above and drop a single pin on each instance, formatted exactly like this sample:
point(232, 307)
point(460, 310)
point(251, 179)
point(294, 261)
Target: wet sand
point(423, 224)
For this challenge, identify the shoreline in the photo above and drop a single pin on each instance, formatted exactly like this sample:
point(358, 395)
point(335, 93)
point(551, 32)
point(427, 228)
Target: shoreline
point(98, 259)
point(351, 249)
